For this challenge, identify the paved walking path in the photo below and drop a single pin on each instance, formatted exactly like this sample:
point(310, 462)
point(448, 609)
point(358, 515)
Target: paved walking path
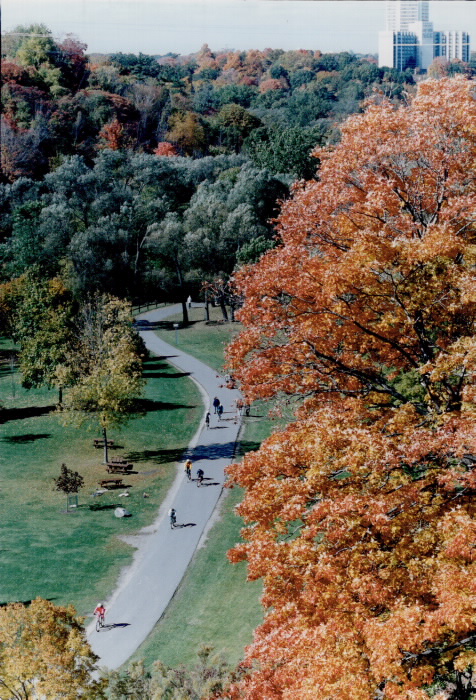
point(147, 586)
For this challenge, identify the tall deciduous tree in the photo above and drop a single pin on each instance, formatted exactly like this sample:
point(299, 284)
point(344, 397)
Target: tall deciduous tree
point(108, 365)
point(362, 515)
point(44, 653)
point(42, 323)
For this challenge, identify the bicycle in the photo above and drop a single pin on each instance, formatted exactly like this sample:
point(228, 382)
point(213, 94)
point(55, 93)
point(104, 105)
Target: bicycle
point(100, 622)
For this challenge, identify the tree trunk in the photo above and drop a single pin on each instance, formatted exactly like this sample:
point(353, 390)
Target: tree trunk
point(60, 395)
point(106, 453)
point(183, 302)
point(207, 308)
point(221, 301)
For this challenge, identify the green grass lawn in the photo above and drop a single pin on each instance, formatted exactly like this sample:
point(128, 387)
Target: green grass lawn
point(206, 342)
point(77, 557)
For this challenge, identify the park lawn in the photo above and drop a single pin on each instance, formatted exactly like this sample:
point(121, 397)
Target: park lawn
point(214, 604)
point(77, 557)
point(205, 341)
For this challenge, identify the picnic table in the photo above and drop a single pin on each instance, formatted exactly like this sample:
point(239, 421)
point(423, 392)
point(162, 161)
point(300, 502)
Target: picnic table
point(119, 467)
point(99, 442)
point(110, 483)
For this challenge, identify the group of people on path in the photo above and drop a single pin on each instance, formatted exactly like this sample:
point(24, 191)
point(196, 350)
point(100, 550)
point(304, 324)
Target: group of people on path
point(188, 472)
point(217, 407)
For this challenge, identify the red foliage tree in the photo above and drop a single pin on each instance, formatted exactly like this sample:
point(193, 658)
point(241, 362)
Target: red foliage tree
point(362, 515)
point(164, 148)
point(111, 135)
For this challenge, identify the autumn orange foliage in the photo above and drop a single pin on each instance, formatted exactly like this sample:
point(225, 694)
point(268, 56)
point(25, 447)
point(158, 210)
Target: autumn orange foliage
point(111, 135)
point(164, 148)
point(361, 513)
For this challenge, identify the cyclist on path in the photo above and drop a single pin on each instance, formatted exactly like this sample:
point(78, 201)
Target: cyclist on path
point(100, 612)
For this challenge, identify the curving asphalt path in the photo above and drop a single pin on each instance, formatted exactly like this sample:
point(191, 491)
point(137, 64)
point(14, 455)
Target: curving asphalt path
point(148, 584)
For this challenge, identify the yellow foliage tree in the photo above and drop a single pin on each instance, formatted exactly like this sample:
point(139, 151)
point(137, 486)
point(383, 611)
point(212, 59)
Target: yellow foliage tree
point(44, 654)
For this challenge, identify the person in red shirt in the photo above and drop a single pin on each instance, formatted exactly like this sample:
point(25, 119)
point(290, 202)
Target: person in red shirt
point(101, 613)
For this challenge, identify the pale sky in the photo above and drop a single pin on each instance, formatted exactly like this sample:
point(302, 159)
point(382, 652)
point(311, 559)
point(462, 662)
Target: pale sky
point(183, 26)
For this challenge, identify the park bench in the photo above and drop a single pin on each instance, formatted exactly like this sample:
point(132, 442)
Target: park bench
point(99, 442)
point(110, 483)
point(119, 467)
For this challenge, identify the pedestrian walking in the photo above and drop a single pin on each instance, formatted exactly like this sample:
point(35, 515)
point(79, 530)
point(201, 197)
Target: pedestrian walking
point(220, 411)
point(189, 302)
point(188, 469)
point(216, 403)
point(172, 517)
point(200, 475)
point(207, 419)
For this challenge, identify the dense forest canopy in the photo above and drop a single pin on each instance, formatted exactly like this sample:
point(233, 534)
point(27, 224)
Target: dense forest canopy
point(146, 175)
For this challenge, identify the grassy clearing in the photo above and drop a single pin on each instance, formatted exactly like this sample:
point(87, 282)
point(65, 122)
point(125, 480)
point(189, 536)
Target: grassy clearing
point(76, 558)
point(206, 342)
point(215, 604)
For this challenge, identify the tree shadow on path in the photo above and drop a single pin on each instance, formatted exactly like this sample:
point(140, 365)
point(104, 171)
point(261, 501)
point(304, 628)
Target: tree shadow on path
point(214, 451)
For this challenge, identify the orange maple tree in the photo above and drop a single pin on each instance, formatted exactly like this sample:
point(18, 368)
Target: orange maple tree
point(361, 513)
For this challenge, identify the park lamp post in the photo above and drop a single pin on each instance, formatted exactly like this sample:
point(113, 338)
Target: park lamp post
point(176, 326)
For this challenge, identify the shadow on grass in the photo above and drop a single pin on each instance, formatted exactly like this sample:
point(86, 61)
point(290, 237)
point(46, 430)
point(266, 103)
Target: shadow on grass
point(28, 437)
point(28, 412)
point(245, 446)
point(157, 456)
point(6, 370)
point(101, 506)
point(149, 405)
point(166, 375)
point(157, 369)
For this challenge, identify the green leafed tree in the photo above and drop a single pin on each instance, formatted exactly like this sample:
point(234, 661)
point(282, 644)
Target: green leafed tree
point(107, 364)
point(42, 324)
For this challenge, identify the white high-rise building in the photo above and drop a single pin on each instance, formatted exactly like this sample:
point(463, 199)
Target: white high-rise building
point(452, 45)
point(409, 40)
point(397, 50)
point(402, 13)
point(424, 43)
